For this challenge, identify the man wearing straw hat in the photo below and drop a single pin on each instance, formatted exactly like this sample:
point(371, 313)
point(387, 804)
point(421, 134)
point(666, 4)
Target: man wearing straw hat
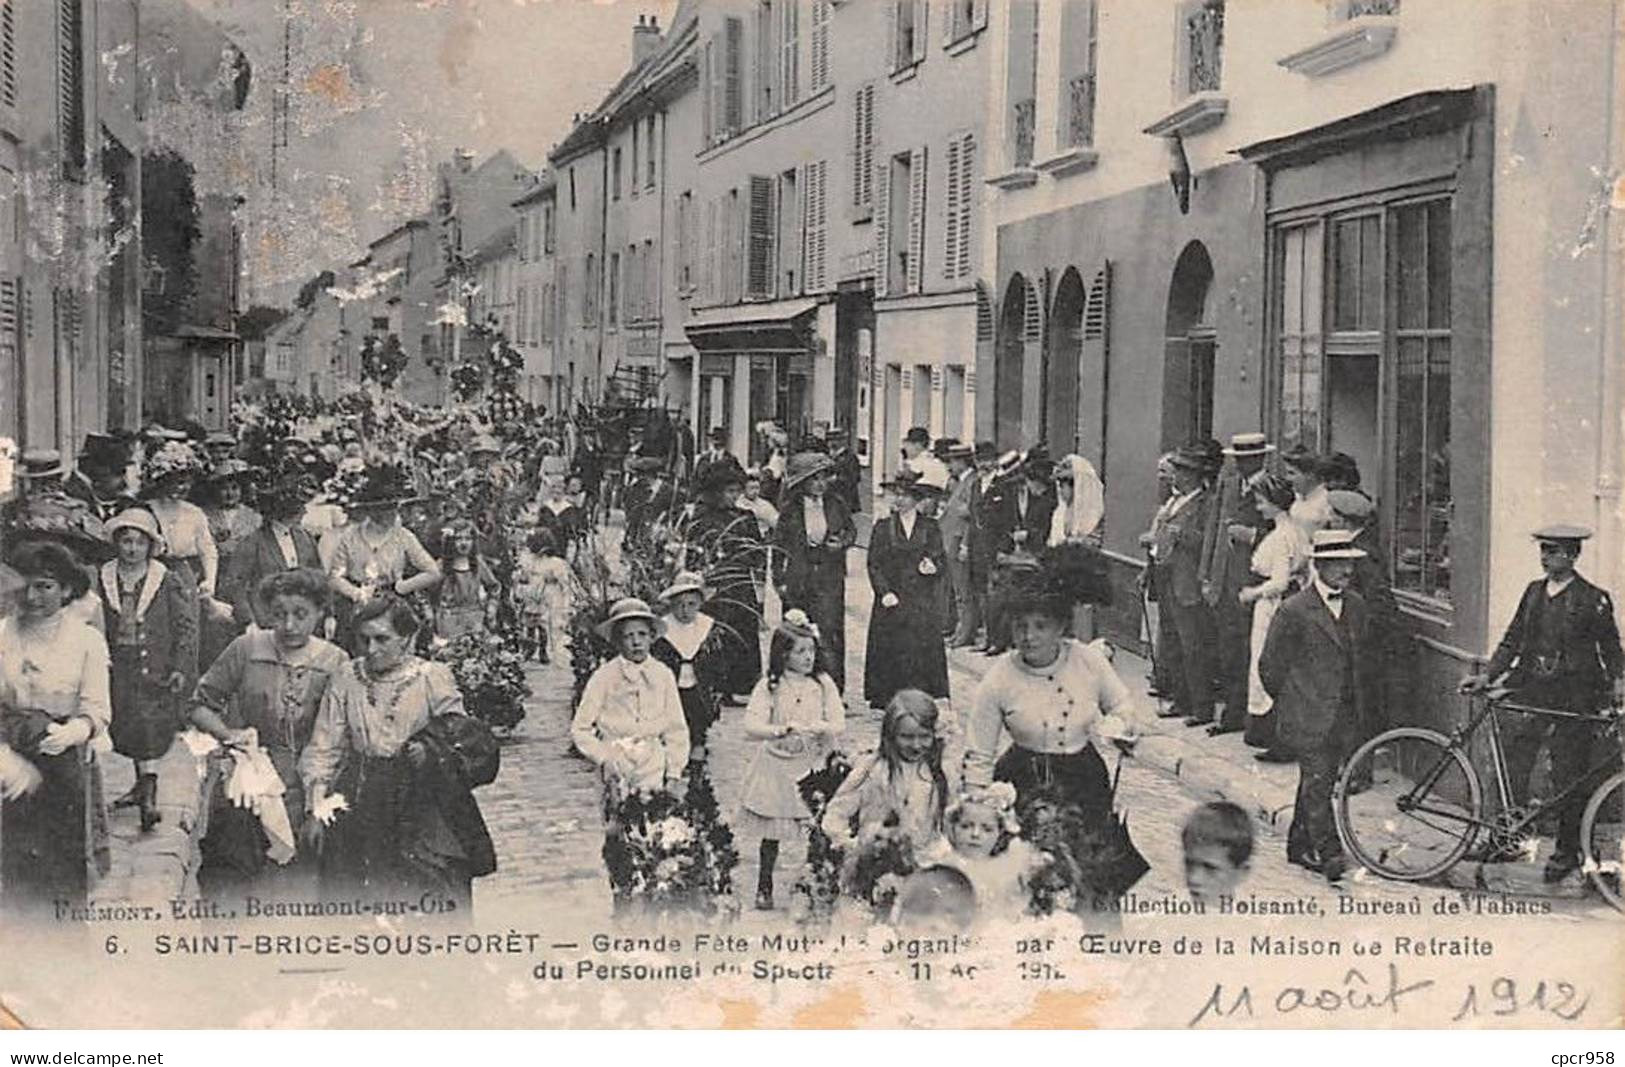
point(814, 531)
point(1233, 527)
point(1316, 668)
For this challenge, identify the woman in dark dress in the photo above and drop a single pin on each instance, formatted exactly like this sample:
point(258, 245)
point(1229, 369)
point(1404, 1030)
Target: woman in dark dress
point(813, 533)
point(724, 546)
point(906, 563)
point(150, 613)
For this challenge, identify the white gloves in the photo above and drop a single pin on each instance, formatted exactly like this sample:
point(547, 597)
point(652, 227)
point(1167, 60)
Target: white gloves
point(61, 736)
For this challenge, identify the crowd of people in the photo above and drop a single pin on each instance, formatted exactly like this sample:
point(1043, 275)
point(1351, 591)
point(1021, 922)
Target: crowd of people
point(288, 599)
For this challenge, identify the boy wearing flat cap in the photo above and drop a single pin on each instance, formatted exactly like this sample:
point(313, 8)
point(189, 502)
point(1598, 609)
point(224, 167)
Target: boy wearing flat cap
point(1561, 651)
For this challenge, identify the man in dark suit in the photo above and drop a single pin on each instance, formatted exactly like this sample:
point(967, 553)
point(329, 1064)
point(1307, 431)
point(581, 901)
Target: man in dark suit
point(717, 456)
point(812, 536)
point(1315, 667)
point(1353, 510)
point(1561, 651)
point(1021, 519)
point(846, 475)
point(1176, 559)
point(983, 504)
point(955, 521)
point(280, 544)
point(1233, 528)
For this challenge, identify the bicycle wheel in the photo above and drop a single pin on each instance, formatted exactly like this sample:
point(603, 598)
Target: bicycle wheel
point(1419, 814)
point(1602, 835)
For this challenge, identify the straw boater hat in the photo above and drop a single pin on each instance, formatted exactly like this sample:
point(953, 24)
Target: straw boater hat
point(1336, 544)
point(42, 463)
point(685, 582)
point(625, 609)
point(804, 465)
point(138, 519)
point(1248, 444)
point(961, 451)
point(908, 480)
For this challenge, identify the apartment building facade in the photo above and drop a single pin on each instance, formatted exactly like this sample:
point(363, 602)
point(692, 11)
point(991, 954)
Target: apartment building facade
point(536, 250)
point(1330, 222)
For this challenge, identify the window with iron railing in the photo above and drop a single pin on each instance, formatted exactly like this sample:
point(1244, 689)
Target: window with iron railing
point(1021, 131)
point(1080, 111)
point(1204, 47)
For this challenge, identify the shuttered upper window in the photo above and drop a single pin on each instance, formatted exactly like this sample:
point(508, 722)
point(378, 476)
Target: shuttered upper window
point(958, 203)
point(70, 77)
point(815, 244)
point(863, 151)
point(8, 53)
point(763, 215)
point(820, 45)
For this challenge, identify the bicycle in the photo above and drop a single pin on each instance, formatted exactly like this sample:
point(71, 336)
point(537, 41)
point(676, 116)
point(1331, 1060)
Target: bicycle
point(1424, 806)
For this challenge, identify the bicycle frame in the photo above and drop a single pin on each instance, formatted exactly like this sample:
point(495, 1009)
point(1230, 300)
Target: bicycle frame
point(1489, 708)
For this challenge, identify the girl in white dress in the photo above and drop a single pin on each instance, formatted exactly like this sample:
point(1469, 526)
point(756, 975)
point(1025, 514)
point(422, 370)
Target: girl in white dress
point(1280, 558)
point(795, 712)
point(982, 842)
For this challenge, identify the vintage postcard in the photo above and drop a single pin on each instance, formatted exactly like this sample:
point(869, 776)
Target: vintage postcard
point(812, 513)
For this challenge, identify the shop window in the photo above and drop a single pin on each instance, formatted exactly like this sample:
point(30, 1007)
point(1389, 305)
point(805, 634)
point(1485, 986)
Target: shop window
point(1298, 302)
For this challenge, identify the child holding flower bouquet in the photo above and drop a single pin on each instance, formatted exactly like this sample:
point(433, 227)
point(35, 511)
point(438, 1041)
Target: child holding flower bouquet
point(982, 841)
point(794, 712)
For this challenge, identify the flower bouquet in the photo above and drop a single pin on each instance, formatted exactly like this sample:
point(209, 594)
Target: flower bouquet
point(1087, 862)
point(382, 362)
point(490, 674)
point(670, 855)
point(819, 885)
point(875, 870)
point(466, 380)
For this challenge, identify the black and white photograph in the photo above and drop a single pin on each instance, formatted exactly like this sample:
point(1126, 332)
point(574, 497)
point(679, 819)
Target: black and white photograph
point(812, 514)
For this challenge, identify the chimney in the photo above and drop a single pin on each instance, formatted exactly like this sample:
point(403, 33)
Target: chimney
point(645, 38)
point(465, 160)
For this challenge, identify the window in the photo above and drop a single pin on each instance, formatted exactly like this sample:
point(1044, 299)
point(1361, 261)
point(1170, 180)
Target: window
point(907, 33)
point(650, 285)
point(863, 151)
point(636, 172)
point(8, 53)
point(1202, 42)
point(764, 73)
point(900, 225)
point(820, 45)
point(380, 323)
point(70, 77)
point(612, 304)
point(733, 237)
point(589, 293)
point(650, 152)
point(789, 52)
point(615, 175)
point(685, 242)
point(789, 234)
point(1021, 86)
point(549, 236)
point(522, 237)
point(723, 96)
point(1362, 318)
point(959, 199)
point(1422, 498)
point(524, 317)
point(965, 18)
point(1075, 121)
point(572, 188)
point(759, 271)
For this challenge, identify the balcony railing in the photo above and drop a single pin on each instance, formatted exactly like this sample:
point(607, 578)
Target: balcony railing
point(1204, 48)
point(1079, 131)
point(1022, 125)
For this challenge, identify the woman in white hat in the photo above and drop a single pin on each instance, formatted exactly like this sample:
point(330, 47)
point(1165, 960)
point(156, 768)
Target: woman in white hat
point(151, 618)
point(692, 648)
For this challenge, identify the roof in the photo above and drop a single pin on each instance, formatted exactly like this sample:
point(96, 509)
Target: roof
point(544, 183)
point(495, 246)
point(589, 132)
point(402, 228)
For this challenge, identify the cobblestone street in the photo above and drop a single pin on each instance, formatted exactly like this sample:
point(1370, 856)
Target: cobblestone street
point(543, 809)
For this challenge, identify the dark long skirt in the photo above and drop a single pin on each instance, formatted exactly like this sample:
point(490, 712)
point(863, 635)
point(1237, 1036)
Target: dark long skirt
point(1078, 779)
point(145, 717)
point(392, 847)
point(823, 598)
point(905, 651)
point(43, 840)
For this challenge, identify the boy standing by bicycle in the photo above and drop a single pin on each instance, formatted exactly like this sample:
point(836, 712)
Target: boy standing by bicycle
point(1316, 668)
point(1561, 651)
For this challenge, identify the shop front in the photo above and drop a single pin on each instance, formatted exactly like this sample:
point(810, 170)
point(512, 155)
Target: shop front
point(756, 363)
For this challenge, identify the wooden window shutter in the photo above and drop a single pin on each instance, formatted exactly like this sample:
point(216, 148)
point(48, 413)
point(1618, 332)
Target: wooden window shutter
point(708, 264)
point(71, 87)
point(1032, 320)
point(948, 21)
point(916, 220)
point(950, 213)
point(733, 76)
point(863, 146)
point(759, 267)
point(790, 53)
point(1094, 370)
point(967, 203)
point(8, 53)
point(984, 314)
point(820, 44)
point(764, 59)
point(883, 229)
point(892, 30)
point(921, 8)
point(979, 13)
point(815, 242)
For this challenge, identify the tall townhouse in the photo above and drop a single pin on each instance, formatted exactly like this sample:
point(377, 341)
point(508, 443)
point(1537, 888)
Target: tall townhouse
point(536, 246)
point(912, 102)
point(396, 294)
point(1371, 226)
point(70, 249)
point(773, 338)
point(581, 170)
